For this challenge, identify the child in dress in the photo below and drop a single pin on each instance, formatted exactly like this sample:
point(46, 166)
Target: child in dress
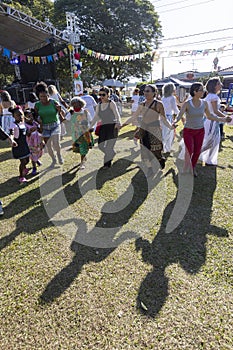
point(21, 151)
point(34, 139)
point(81, 135)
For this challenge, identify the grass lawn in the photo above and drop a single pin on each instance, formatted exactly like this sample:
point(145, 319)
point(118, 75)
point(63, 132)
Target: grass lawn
point(87, 262)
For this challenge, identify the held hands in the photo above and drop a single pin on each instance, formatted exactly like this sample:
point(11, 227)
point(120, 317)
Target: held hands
point(228, 119)
point(118, 126)
point(123, 125)
point(13, 143)
point(173, 125)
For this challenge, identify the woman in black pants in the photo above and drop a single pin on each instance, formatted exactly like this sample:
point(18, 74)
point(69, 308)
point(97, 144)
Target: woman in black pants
point(109, 117)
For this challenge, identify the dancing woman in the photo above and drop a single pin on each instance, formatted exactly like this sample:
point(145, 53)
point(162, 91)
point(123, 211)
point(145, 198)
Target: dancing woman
point(210, 147)
point(171, 110)
point(150, 132)
point(194, 132)
point(48, 113)
point(107, 113)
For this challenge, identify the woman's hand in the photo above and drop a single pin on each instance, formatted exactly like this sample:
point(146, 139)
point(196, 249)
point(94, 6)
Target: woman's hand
point(228, 119)
point(118, 126)
point(12, 142)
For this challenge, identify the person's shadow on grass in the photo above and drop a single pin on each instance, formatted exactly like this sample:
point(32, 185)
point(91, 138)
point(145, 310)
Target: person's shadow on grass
point(37, 218)
point(185, 246)
point(96, 244)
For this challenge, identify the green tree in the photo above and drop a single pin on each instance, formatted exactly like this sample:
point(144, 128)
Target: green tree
point(7, 72)
point(40, 9)
point(115, 27)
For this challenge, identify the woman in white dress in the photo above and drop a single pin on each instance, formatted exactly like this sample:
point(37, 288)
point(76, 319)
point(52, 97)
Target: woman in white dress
point(6, 103)
point(210, 147)
point(171, 110)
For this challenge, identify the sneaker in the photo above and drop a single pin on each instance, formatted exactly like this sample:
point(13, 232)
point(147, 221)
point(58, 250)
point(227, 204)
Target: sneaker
point(34, 172)
point(82, 166)
point(1, 210)
point(22, 180)
point(39, 163)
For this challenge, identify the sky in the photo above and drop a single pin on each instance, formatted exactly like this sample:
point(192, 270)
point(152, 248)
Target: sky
point(191, 19)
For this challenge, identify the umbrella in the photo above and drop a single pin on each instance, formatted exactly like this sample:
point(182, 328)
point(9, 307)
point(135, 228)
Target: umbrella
point(112, 82)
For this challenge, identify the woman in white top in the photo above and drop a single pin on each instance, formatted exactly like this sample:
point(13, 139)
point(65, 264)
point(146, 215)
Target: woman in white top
point(171, 110)
point(7, 118)
point(30, 104)
point(54, 94)
point(135, 102)
point(210, 147)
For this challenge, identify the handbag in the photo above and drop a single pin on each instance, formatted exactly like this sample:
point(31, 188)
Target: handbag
point(97, 129)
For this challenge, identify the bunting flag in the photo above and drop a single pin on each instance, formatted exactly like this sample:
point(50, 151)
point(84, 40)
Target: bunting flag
point(35, 59)
point(155, 55)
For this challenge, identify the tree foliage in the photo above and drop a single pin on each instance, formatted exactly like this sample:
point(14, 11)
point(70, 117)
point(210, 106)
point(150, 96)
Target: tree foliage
point(39, 9)
point(114, 27)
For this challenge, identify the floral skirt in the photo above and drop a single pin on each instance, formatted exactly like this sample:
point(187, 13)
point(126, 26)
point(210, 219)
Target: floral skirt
point(83, 144)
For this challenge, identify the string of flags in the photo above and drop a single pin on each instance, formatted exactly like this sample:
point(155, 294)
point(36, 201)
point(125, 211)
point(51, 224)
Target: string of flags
point(17, 59)
point(155, 55)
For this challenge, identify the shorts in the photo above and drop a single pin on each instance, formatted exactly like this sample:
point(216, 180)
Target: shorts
point(51, 129)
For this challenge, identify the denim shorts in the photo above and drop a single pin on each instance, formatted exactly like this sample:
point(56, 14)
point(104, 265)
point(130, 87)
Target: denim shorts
point(51, 129)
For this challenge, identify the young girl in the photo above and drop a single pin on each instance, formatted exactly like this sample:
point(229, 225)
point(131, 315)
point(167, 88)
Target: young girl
point(6, 103)
point(80, 120)
point(34, 140)
point(21, 151)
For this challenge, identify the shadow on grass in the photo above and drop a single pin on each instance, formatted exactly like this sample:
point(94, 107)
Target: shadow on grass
point(110, 221)
point(185, 246)
point(35, 219)
point(5, 155)
point(127, 135)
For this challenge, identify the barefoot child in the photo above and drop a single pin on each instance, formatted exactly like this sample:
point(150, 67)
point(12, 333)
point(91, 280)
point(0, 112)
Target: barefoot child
point(21, 151)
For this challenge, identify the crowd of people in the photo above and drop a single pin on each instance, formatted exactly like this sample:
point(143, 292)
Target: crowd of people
point(41, 124)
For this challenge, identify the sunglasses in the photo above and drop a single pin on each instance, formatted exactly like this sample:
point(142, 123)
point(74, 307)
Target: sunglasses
point(148, 91)
point(102, 95)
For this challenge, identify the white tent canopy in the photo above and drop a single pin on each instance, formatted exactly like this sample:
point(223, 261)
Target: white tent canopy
point(112, 83)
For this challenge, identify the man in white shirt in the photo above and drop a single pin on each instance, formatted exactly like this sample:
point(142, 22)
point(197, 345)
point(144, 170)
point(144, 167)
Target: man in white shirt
point(90, 103)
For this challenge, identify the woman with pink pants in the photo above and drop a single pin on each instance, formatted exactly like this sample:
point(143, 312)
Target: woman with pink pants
point(195, 108)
